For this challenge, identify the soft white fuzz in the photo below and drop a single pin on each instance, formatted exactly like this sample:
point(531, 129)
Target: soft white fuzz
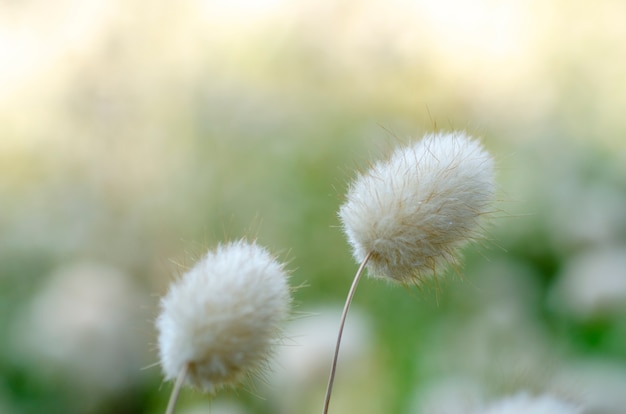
point(524, 403)
point(223, 316)
point(414, 210)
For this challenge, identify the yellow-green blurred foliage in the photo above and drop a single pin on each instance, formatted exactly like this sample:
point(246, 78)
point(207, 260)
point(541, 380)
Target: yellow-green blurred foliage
point(136, 134)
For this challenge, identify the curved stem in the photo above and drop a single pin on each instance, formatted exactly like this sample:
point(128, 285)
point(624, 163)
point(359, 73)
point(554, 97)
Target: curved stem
point(333, 369)
point(176, 391)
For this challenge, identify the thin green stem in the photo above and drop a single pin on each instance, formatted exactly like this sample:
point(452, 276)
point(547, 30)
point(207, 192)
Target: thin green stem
point(171, 405)
point(333, 368)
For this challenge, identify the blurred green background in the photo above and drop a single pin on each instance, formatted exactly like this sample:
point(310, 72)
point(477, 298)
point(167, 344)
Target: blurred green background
point(134, 135)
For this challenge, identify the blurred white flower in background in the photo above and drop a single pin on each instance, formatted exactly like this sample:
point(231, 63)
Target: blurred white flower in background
point(582, 213)
point(453, 395)
point(495, 347)
point(302, 365)
point(599, 385)
point(84, 325)
point(593, 283)
point(465, 395)
point(524, 403)
point(498, 341)
point(218, 406)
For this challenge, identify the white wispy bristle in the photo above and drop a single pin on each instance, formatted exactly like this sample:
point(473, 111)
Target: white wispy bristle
point(223, 317)
point(524, 403)
point(413, 211)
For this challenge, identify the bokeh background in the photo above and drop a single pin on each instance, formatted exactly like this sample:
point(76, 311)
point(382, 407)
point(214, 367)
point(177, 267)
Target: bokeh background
point(134, 135)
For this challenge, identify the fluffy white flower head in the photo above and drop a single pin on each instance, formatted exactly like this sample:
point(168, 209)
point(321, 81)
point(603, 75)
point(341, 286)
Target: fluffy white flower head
point(222, 318)
point(413, 211)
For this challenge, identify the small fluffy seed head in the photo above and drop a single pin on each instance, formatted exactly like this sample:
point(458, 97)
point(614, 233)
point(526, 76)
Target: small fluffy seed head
point(223, 316)
point(415, 210)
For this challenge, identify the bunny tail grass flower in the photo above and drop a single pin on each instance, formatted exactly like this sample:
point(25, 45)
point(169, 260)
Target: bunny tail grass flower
point(412, 212)
point(407, 217)
point(220, 320)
